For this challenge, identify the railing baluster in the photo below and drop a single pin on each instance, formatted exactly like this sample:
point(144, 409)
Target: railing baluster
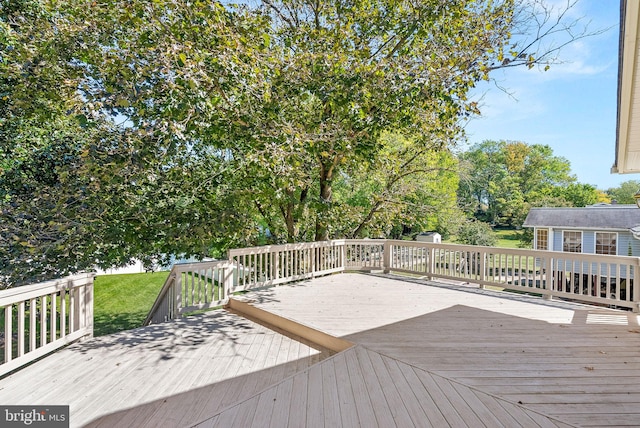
point(52, 318)
point(43, 320)
point(8, 333)
point(63, 312)
point(32, 324)
point(21, 330)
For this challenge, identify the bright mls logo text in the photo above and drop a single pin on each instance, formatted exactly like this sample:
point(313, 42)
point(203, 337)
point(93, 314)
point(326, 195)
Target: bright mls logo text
point(36, 416)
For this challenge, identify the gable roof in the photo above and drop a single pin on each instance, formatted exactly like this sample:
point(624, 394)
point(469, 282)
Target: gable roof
point(592, 217)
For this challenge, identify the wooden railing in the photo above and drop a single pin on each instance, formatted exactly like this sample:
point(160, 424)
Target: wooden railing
point(279, 264)
point(588, 278)
point(192, 287)
point(582, 277)
point(38, 319)
point(364, 254)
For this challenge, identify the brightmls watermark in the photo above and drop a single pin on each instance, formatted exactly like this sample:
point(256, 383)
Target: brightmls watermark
point(34, 416)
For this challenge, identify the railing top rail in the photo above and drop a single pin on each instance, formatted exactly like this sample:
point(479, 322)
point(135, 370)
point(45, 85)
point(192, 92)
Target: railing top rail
point(373, 241)
point(283, 247)
point(522, 251)
point(188, 267)
point(26, 292)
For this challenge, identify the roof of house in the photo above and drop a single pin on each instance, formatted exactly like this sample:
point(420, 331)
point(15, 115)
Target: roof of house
point(627, 153)
point(592, 217)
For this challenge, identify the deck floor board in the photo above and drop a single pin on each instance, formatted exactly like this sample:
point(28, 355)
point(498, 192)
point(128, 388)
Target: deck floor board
point(164, 375)
point(425, 354)
point(548, 355)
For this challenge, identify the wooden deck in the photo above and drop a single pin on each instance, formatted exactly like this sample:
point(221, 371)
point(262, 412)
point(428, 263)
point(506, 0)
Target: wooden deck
point(362, 388)
point(166, 375)
point(425, 354)
point(577, 364)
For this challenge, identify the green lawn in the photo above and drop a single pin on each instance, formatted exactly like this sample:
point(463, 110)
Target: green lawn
point(507, 238)
point(122, 302)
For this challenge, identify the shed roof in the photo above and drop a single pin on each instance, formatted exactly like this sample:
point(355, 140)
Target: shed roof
point(592, 217)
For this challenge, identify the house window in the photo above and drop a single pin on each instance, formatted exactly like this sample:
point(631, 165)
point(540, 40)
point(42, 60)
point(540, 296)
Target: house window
point(542, 239)
point(606, 243)
point(572, 242)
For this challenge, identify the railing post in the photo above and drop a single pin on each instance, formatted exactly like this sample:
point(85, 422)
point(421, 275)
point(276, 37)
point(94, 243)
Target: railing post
point(227, 280)
point(276, 265)
point(82, 308)
point(550, 284)
point(343, 256)
point(630, 288)
point(89, 306)
point(76, 302)
point(431, 262)
point(8, 332)
point(169, 303)
point(314, 260)
point(386, 256)
point(178, 300)
point(483, 268)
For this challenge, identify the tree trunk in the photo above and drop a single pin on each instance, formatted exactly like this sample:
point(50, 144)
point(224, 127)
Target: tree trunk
point(290, 223)
point(326, 195)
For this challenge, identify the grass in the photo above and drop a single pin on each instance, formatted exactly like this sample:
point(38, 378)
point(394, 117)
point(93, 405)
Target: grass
point(507, 238)
point(122, 302)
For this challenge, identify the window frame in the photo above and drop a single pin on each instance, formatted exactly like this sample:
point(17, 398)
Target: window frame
point(595, 243)
point(564, 243)
point(537, 239)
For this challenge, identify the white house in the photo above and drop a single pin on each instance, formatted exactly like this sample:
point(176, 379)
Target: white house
point(597, 229)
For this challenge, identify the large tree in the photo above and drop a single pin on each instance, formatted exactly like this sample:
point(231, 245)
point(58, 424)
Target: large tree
point(89, 175)
point(45, 226)
point(191, 126)
point(623, 194)
point(502, 179)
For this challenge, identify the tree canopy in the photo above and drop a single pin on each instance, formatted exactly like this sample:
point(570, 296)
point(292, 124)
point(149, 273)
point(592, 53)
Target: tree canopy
point(143, 129)
point(503, 179)
point(623, 194)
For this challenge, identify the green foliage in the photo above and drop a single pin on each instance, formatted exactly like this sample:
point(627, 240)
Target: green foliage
point(78, 190)
point(142, 129)
point(623, 194)
point(407, 186)
point(577, 194)
point(526, 238)
point(341, 74)
point(503, 179)
point(476, 233)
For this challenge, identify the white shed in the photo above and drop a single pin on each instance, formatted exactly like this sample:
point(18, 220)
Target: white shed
point(433, 237)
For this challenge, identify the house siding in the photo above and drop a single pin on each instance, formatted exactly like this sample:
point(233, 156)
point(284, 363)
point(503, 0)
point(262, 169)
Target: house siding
point(588, 241)
point(557, 239)
point(627, 245)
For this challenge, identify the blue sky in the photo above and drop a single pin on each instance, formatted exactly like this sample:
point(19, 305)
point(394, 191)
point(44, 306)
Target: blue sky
point(571, 107)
